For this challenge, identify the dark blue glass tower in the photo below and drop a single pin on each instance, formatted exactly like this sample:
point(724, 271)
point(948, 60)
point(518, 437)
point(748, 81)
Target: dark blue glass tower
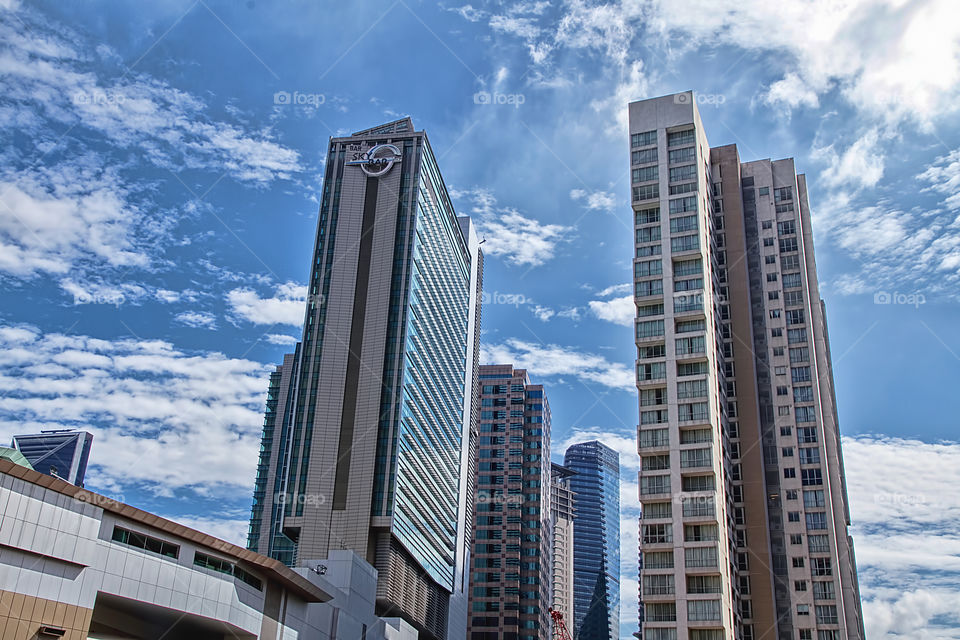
point(596, 540)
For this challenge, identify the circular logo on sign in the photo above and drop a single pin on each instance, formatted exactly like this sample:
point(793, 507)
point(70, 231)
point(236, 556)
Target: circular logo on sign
point(377, 160)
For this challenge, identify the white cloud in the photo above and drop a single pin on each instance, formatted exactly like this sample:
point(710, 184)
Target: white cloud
point(285, 307)
point(232, 530)
point(52, 218)
point(793, 92)
point(278, 338)
point(511, 235)
point(554, 360)
point(197, 319)
point(522, 27)
point(860, 165)
point(620, 311)
point(468, 12)
point(944, 178)
point(543, 313)
point(135, 112)
point(593, 200)
point(155, 411)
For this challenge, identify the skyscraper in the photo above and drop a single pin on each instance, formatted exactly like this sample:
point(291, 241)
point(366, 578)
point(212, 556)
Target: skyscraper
point(562, 513)
point(744, 528)
point(60, 453)
point(596, 540)
point(512, 536)
point(366, 439)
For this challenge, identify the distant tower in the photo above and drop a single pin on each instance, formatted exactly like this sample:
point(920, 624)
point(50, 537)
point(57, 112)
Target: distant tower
point(596, 540)
point(61, 453)
point(512, 542)
point(562, 511)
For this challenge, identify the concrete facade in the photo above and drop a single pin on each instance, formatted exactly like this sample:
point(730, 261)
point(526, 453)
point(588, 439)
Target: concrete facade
point(562, 513)
point(744, 527)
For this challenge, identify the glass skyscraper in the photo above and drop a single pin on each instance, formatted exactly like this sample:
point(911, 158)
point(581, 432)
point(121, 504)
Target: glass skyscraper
point(368, 429)
point(60, 453)
point(596, 540)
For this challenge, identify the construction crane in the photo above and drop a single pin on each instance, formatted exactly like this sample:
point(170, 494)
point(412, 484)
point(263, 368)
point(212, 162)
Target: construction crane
point(559, 628)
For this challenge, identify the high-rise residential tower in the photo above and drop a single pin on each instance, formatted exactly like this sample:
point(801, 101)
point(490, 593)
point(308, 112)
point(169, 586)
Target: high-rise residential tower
point(562, 513)
point(366, 439)
point(596, 540)
point(744, 526)
point(62, 453)
point(512, 535)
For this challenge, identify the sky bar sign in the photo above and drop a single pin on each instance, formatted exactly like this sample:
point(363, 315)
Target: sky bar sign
point(377, 160)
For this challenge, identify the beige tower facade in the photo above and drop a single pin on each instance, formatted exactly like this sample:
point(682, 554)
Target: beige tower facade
point(744, 525)
point(562, 511)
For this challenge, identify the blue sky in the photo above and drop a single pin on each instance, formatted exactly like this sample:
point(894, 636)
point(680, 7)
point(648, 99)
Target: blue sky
point(159, 171)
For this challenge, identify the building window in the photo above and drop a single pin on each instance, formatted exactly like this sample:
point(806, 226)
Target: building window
point(700, 557)
point(658, 585)
point(223, 566)
point(683, 223)
point(811, 477)
point(654, 438)
point(816, 521)
point(657, 533)
point(650, 310)
point(148, 543)
point(648, 288)
point(789, 472)
point(679, 156)
point(698, 610)
point(683, 205)
point(695, 458)
point(682, 174)
point(652, 485)
point(658, 560)
point(680, 138)
point(648, 216)
point(646, 192)
point(782, 194)
point(644, 139)
point(644, 156)
point(645, 174)
point(799, 585)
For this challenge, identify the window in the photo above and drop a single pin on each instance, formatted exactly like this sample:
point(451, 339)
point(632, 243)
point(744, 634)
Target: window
point(650, 485)
point(650, 310)
point(648, 216)
point(644, 139)
point(688, 267)
point(658, 585)
point(770, 259)
point(661, 612)
point(648, 288)
point(803, 609)
point(763, 191)
point(790, 280)
point(655, 510)
point(806, 414)
point(680, 138)
point(782, 390)
point(703, 584)
point(800, 374)
point(786, 228)
point(700, 557)
point(703, 610)
point(768, 242)
point(692, 368)
point(806, 435)
point(811, 477)
point(809, 455)
point(816, 521)
point(683, 223)
point(797, 562)
point(778, 351)
point(766, 224)
point(143, 541)
point(697, 483)
point(781, 194)
point(223, 566)
point(692, 389)
point(818, 544)
point(823, 590)
point(695, 412)
point(658, 560)
point(689, 302)
point(795, 316)
point(803, 394)
point(826, 613)
point(795, 336)
point(695, 436)
point(695, 458)
point(686, 187)
point(775, 313)
point(652, 250)
point(683, 205)
point(791, 494)
point(649, 328)
point(643, 157)
point(813, 499)
point(780, 371)
point(698, 507)
point(789, 472)
point(650, 397)
point(796, 538)
point(682, 174)
point(689, 326)
point(786, 244)
point(646, 192)
point(647, 268)
point(771, 277)
point(655, 416)
point(648, 234)
point(783, 411)
point(793, 516)
point(773, 295)
point(799, 585)
point(679, 156)
point(654, 438)
point(645, 174)
point(656, 533)
point(692, 344)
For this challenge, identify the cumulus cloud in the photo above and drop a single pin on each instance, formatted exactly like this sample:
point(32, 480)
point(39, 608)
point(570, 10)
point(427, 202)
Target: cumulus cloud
point(619, 310)
point(594, 200)
point(286, 306)
point(153, 408)
point(197, 319)
point(555, 360)
point(519, 240)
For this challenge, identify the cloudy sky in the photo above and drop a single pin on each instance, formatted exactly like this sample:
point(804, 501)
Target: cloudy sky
point(159, 170)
